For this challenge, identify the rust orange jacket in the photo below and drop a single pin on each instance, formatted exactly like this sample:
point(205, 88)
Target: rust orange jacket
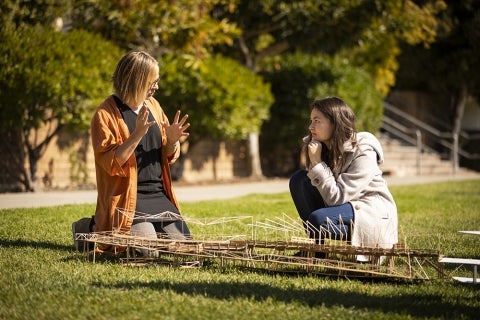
point(117, 184)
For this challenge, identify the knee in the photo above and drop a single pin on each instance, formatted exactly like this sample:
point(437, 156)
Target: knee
point(143, 229)
point(297, 179)
point(317, 219)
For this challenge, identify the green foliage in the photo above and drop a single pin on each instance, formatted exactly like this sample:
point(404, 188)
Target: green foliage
point(297, 80)
point(356, 87)
point(184, 26)
point(452, 61)
point(49, 80)
point(39, 266)
point(18, 13)
point(223, 99)
point(389, 25)
point(367, 33)
point(66, 73)
point(48, 76)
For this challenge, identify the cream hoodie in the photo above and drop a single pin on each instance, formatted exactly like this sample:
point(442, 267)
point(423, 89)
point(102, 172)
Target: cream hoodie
point(360, 182)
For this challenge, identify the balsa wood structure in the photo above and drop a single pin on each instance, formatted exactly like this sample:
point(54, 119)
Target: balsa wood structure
point(277, 245)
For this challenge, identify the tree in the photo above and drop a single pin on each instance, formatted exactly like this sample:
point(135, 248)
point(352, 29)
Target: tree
point(297, 80)
point(449, 65)
point(52, 80)
point(392, 24)
point(367, 33)
point(17, 13)
point(226, 100)
point(186, 27)
point(160, 27)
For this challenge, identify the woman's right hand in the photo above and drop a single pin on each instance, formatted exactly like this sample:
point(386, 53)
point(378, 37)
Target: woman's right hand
point(142, 124)
point(314, 149)
point(127, 148)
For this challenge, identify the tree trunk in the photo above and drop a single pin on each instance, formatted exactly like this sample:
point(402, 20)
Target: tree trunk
point(36, 151)
point(254, 153)
point(33, 158)
point(253, 137)
point(457, 124)
point(15, 176)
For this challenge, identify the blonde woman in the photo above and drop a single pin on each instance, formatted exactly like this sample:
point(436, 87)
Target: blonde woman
point(134, 145)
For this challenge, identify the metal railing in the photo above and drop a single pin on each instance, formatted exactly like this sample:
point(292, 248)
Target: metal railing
point(412, 131)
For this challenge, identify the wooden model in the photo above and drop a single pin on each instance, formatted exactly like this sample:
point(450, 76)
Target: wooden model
point(271, 245)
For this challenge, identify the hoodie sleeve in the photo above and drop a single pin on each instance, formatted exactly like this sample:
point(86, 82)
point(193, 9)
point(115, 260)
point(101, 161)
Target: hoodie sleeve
point(348, 185)
point(360, 170)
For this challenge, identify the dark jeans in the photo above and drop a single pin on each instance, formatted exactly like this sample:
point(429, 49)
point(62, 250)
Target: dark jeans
point(319, 220)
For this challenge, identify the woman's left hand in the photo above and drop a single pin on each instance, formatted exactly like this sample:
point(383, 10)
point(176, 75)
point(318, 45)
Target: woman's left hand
point(177, 128)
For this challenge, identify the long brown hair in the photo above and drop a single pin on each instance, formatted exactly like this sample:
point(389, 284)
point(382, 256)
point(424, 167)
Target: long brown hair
point(342, 118)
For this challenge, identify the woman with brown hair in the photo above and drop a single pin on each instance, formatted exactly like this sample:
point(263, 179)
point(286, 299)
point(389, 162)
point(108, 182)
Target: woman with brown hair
point(342, 185)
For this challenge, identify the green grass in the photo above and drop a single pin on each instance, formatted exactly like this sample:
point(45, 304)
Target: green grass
point(41, 277)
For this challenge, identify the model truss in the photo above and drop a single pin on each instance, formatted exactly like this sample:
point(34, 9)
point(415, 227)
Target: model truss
point(278, 244)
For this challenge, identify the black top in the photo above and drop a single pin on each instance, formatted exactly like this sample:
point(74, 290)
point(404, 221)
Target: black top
point(147, 152)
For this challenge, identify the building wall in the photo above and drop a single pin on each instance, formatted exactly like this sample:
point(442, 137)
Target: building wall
point(438, 112)
point(425, 107)
point(471, 118)
point(69, 163)
point(73, 166)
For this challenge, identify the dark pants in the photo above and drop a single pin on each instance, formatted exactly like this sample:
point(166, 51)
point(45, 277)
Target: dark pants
point(149, 207)
point(319, 220)
point(156, 216)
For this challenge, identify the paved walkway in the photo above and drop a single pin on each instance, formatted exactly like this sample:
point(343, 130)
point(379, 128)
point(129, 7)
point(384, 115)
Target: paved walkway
point(192, 193)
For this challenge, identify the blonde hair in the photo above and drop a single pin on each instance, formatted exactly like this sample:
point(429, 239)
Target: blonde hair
point(133, 76)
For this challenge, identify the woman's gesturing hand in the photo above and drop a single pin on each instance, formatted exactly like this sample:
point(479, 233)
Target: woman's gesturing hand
point(142, 124)
point(177, 128)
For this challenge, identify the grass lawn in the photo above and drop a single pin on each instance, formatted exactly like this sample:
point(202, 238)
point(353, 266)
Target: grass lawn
point(42, 277)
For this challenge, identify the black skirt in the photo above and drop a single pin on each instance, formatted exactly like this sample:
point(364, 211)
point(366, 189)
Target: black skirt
point(154, 207)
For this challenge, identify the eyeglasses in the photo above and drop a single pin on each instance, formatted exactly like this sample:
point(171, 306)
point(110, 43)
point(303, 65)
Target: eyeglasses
point(154, 83)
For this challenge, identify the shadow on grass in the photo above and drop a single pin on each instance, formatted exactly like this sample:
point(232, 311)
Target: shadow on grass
point(21, 243)
point(414, 305)
point(405, 304)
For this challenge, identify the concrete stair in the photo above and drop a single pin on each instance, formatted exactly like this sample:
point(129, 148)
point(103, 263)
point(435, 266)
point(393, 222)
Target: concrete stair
point(402, 160)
